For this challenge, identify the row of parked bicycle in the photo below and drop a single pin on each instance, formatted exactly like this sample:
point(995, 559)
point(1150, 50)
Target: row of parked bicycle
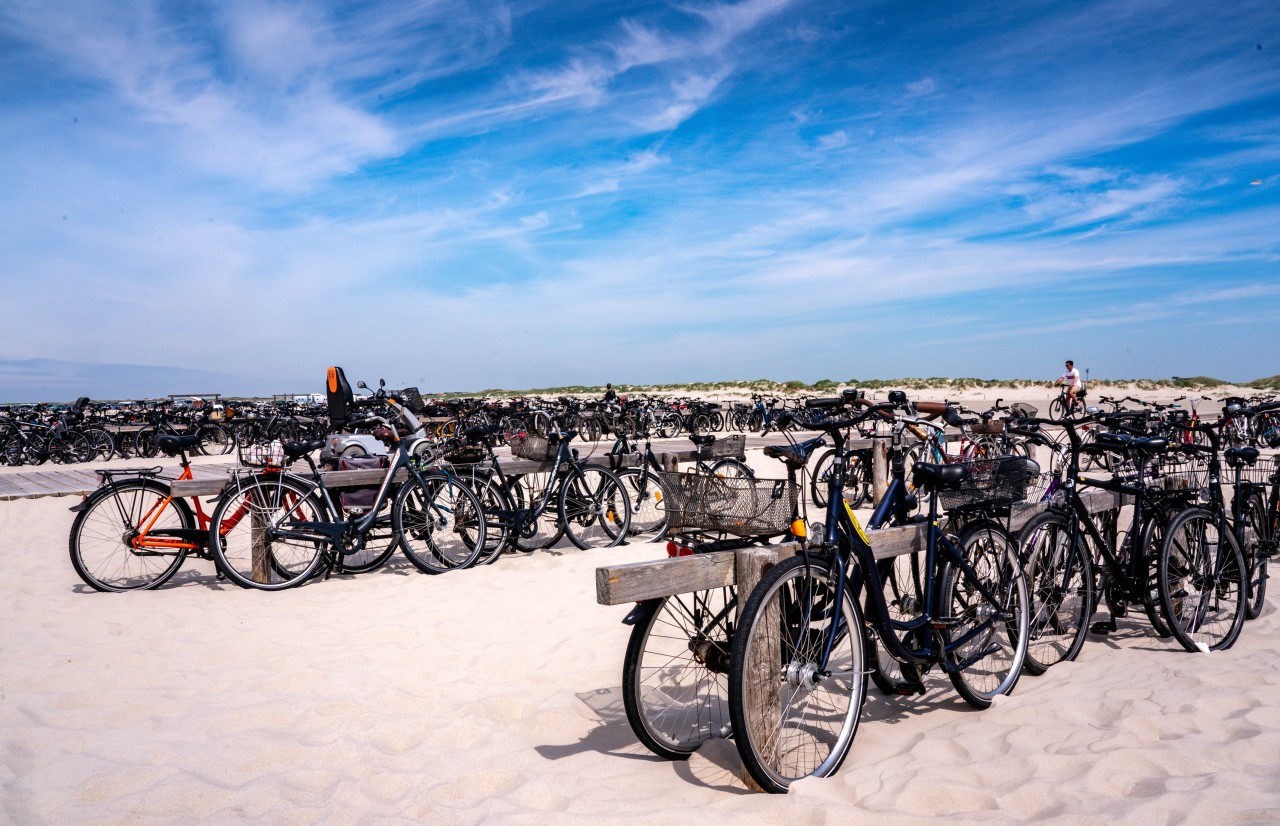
point(989, 593)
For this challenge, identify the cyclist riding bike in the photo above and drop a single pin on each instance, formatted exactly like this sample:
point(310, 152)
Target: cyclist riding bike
point(1070, 380)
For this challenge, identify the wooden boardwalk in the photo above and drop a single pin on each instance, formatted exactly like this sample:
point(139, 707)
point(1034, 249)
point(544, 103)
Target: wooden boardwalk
point(80, 480)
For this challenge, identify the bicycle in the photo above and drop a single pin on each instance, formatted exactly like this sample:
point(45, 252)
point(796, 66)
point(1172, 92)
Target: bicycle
point(131, 534)
point(1203, 575)
point(799, 660)
point(297, 527)
point(643, 483)
point(677, 658)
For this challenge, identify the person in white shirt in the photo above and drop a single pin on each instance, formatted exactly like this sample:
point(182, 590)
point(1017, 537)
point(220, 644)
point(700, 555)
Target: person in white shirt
point(1070, 380)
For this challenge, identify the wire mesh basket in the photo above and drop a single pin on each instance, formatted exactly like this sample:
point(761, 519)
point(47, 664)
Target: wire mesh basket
point(1177, 472)
point(741, 507)
point(533, 447)
point(262, 454)
point(725, 447)
point(1022, 410)
point(1259, 473)
point(997, 482)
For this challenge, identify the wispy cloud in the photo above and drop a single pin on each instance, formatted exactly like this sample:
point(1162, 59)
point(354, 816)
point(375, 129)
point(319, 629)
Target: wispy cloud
point(802, 181)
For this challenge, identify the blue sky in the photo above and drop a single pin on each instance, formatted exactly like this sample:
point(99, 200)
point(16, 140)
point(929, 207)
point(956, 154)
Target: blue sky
point(466, 195)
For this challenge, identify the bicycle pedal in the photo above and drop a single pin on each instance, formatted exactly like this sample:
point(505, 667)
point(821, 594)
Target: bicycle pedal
point(1103, 626)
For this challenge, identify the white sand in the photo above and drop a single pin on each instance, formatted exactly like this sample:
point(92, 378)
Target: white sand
point(494, 695)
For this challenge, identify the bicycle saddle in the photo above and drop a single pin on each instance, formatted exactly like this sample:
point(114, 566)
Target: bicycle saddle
point(1118, 442)
point(296, 450)
point(1241, 456)
point(479, 432)
point(925, 475)
point(795, 456)
point(1151, 446)
point(702, 438)
point(172, 444)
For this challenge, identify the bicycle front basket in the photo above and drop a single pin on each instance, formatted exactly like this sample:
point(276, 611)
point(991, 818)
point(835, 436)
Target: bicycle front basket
point(991, 483)
point(533, 447)
point(989, 427)
point(726, 446)
point(741, 507)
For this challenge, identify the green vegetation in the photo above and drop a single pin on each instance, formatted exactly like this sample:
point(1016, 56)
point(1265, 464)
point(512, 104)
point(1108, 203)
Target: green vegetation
point(1270, 383)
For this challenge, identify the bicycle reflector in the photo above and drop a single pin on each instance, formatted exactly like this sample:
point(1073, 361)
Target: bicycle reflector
point(799, 530)
point(675, 549)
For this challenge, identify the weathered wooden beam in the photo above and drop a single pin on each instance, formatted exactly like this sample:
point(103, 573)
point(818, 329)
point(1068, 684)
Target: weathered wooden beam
point(636, 581)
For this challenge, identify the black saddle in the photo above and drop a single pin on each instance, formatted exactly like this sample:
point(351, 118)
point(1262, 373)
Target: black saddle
point(296, 450)
point(795, 456)
point(1237, 456)
point(478, 433)
point(938, 477)
point(170, 445)
point(702, 438)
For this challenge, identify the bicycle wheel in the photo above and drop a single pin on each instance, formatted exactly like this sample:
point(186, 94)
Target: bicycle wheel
point(1202, 582)
point(594, 508)
point(1256, 532)
point(731, 468)
point(795, 709)
point(857, 478)
point(675, 674)
point(103, 536)
point(1152, 538)
point(101, 446)
point(215, 440)
point(667, 424)
point(67, 448)
point(525, 491)
point(987, 633)
point(498, 507)
point(440, 522)
point(262, 532)
point(648, 501)
point(1060, 582)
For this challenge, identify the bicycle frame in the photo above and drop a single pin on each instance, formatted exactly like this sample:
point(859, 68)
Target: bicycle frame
point(855, 568)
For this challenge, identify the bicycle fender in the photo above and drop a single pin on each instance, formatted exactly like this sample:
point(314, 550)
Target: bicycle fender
point(82, 505)
point(642, 612)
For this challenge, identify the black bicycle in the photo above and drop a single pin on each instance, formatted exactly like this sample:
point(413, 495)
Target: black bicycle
point(799, 662)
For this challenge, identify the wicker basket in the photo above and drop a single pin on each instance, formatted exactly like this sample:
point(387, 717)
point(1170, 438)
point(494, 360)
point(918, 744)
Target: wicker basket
point(988, 427)
point(725, 447)
point(990, 483)
point(533, 447)
point(741, 507)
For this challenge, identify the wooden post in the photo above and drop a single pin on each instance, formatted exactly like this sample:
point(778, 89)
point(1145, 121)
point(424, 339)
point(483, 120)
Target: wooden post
point(763, 699)
point(259, 548)
point(879, 470)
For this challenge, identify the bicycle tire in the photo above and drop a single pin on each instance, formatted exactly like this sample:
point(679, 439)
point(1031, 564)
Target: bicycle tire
point(98, 544)
point(102, 445)
point(242, 525)
point(1152, 538)
point(648, 500)
point(440, 522)
point(986, 653)
point(594, 508)
point(1202, 582)
point(214, 440)
point(1256, 534)
point(781, 637)
point(857, 478)
point(1060, 582)
point(675, 687)
point(731, 468)
point(494, 500)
